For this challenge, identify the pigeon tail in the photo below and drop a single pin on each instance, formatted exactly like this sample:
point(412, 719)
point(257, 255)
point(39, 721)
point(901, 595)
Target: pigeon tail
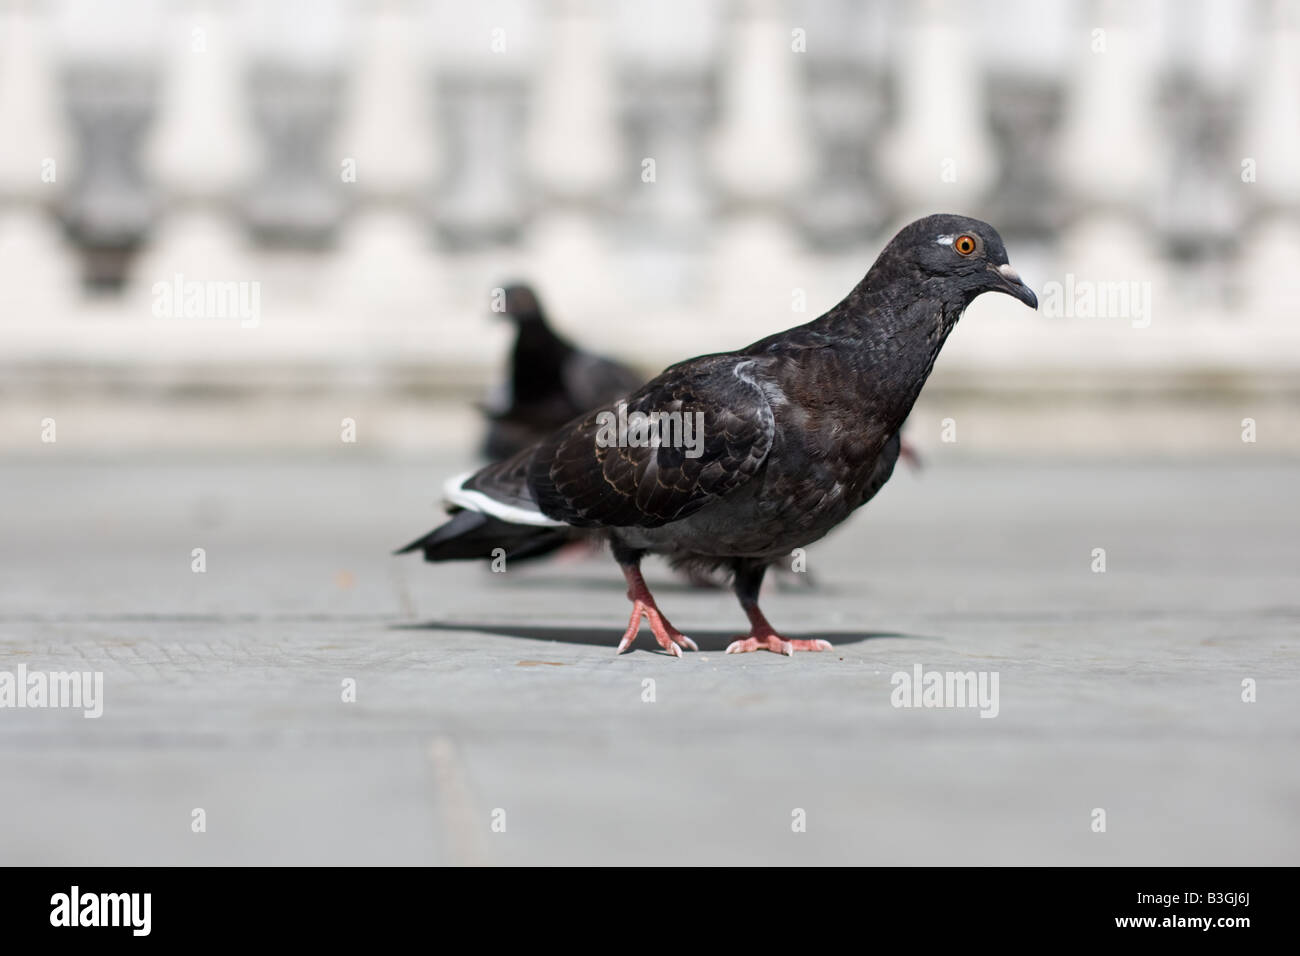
point(490, 518)
point(470, 535)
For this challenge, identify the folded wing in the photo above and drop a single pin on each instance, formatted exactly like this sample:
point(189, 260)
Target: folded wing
point(708, 426)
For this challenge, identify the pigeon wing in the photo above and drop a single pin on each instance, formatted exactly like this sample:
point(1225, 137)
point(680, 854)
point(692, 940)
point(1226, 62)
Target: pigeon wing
point(715, 428)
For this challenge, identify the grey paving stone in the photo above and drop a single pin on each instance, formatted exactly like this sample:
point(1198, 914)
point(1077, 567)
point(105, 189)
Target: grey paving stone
point(481, 692)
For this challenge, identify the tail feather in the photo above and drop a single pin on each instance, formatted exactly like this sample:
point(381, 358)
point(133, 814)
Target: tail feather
point(468, 535)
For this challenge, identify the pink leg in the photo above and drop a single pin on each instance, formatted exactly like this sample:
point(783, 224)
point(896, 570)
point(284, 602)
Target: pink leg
point(763, 637)
point(669, 638)
point(909, 454)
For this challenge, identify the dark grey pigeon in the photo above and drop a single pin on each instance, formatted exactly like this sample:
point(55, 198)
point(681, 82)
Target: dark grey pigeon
point(551, 380)
point(797, 431)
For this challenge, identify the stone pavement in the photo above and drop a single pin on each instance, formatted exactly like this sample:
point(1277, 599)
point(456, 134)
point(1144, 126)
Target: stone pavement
point(496, 698)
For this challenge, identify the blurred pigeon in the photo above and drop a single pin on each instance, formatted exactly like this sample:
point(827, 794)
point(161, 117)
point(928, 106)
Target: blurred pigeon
point(552, 381)
point(748, 454)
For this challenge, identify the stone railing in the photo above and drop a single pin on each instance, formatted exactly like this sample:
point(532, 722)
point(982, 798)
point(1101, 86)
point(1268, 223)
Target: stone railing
point(190, 191)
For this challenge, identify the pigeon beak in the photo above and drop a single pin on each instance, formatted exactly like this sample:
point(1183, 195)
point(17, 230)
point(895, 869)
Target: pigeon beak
point(1009, 281)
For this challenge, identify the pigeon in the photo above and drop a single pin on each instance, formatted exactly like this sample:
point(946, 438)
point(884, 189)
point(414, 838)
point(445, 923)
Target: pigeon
point(732, 460)
point(552, 381)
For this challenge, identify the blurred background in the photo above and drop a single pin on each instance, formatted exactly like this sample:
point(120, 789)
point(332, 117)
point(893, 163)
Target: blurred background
point(248, 255)
point(233, 224)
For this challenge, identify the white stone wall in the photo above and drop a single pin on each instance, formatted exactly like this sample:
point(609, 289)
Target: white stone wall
point(373, 168)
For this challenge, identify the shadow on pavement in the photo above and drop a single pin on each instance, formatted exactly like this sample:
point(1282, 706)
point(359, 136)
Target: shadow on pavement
point(609, 636)
point(784, 584)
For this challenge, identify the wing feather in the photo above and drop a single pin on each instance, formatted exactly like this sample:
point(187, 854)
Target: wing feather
point(714, 428)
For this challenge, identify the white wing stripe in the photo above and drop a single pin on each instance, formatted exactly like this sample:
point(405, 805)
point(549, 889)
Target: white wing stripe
point(472, 500)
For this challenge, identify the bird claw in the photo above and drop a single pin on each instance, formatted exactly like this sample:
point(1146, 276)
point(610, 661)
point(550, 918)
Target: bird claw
point(670, 639)
point(776, 644)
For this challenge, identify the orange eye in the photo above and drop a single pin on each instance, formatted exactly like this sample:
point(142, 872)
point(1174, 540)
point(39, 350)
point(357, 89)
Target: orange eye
point(964, 245)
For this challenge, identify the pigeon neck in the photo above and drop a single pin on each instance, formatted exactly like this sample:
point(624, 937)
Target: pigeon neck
point(538, 360)
point(896, 327)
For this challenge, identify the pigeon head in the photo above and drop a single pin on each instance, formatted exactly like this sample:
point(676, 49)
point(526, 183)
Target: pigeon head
point(521, 303)
point(957, 257)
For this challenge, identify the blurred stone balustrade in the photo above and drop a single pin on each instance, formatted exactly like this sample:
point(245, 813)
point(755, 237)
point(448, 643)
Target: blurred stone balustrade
point(675, 176)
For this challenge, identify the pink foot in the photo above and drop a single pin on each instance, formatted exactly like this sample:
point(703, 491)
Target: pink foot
point(643, 605)
point(669, 638)
point(769, 641)
point(763, 637)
